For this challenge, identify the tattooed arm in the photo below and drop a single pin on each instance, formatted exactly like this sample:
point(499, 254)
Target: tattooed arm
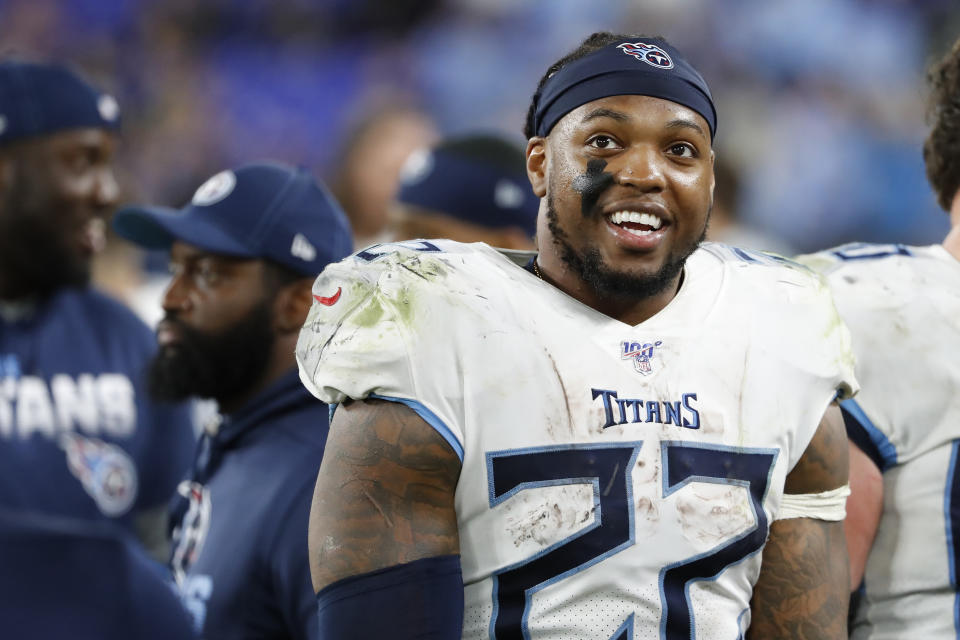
point(384, 494)
point(803, 589)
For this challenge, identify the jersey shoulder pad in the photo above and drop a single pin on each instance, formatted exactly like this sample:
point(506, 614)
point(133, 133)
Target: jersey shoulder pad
point(378, 316)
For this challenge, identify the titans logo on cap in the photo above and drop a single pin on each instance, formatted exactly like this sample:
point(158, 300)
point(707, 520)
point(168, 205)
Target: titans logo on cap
point(651, 54)
point(215, 189)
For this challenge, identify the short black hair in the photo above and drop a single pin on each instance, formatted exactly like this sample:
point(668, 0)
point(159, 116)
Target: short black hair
point(941, 150)
point(489, 149)
point(594, 42)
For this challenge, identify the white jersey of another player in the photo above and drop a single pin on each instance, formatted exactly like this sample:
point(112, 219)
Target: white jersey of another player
point(902, 305)
point(618, 481)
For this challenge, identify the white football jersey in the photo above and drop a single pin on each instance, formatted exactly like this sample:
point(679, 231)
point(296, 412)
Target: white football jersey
point(618, 481)
point(902, 305)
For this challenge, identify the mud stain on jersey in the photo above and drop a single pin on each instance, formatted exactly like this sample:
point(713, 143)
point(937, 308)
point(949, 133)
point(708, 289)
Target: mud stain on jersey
point(421, 265)
point(543, 522)
point(741, 403)
point(370, 314)
point(647, 516)
point(563, 391)
point(836, 333)
point(646, 483)
point(709, 514)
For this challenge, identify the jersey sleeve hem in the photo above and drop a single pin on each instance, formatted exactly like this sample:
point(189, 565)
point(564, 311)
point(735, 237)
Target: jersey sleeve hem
point(864, 434)
point(430, 418)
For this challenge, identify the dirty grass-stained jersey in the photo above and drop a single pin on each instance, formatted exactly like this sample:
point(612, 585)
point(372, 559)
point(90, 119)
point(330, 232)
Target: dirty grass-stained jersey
point(614, 477)
point(902, 305)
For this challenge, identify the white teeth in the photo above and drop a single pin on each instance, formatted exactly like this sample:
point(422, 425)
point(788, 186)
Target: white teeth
point(648, 219)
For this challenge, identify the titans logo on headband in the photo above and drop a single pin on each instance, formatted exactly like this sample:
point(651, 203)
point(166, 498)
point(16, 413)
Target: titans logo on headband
point(651, 54)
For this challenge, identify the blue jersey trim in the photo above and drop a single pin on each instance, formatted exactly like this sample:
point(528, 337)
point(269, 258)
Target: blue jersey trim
point(431, 418)
point(625, 631)
point(865, 435)
point(742, 632)
point(951, 513)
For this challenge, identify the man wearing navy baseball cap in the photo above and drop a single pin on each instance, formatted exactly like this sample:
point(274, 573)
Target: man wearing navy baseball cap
point(243, 255)
point(470, 188)
point(80, 438)
point(81, 441)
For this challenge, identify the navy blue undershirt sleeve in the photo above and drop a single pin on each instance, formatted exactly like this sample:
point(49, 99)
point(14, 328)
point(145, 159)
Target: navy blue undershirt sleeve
point(420, 600)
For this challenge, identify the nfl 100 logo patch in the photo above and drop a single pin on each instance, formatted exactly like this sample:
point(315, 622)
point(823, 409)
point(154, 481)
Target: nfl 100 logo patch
point(641, 353)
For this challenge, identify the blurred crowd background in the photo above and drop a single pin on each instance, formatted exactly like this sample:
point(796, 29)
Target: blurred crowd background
point(821, 102)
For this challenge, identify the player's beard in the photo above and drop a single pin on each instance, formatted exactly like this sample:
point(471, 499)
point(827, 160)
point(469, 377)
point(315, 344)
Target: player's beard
point(603, 278)
point(222, 366)
point(35, 248)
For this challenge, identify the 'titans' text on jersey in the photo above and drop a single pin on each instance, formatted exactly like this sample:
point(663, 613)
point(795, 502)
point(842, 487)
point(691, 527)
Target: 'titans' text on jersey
point(614, 477)
point(79, 434)
point(902, 305)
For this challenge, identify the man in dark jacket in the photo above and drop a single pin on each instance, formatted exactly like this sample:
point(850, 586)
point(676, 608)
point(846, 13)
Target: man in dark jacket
point(243, 255)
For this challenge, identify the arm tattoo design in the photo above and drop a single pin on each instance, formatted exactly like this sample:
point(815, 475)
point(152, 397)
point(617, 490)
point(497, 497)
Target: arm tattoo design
point(803, 588)
point(802, 592)
point(384, 494)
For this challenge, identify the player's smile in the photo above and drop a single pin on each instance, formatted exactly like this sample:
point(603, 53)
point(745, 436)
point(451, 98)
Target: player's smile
point(637, 225)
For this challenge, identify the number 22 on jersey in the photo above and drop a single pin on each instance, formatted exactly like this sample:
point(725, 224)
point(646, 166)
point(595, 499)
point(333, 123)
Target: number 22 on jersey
point(608, 467)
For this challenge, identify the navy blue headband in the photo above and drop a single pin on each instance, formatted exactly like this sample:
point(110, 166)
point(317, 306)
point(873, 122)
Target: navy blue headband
point(648, 68)
point(469, 190)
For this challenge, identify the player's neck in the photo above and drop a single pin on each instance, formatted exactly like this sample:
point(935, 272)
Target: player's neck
point(628, 309)
point(952, 242)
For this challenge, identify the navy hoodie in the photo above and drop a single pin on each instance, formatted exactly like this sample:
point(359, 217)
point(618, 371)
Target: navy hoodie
point(240, 522)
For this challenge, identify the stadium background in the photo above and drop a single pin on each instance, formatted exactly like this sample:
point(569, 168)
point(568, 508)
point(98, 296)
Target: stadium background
point(820, 102)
